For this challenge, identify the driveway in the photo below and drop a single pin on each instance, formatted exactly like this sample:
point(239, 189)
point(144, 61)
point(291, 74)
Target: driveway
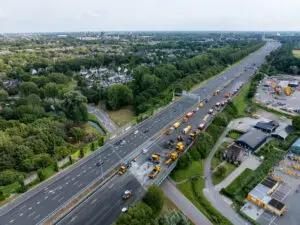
point(103, 118)
point(184, 204)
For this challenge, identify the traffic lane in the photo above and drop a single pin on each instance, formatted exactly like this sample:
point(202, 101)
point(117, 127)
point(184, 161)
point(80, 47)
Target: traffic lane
point(104, 206)
point(53, 196)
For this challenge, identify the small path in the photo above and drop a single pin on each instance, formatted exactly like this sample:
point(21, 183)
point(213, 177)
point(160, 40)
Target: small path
point(183, 203)
point(185, 180)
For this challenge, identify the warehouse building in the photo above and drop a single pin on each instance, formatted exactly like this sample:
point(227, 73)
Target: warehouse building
point(295, 148)
point(267, 127)
point(282, 131)
point(252, 139)
point(261, 195)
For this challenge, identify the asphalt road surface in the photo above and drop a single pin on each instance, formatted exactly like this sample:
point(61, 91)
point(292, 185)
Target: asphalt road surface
point(34, 206)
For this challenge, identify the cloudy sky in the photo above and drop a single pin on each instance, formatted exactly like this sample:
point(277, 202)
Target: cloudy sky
point(117, 15)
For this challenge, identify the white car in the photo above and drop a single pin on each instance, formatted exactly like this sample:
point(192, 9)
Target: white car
point(136, 132)
point(145, 150)
point(124, 210)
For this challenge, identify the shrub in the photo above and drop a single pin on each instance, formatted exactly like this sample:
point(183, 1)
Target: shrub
point(8, 177)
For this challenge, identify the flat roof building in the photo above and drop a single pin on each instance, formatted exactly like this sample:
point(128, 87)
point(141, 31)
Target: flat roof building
point(268, 127)
point(252, 139)
point(295, 148)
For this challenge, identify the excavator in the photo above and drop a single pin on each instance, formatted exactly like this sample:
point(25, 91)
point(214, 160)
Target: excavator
point(154, 172)
point(124, 167)
point(180, 146)
point(173, 157)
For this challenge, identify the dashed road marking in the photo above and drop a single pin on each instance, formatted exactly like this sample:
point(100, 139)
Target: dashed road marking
point(30, 208)
point(11, 221)
point(31, 214)
point(38, 202)
point(36, 217)
point(21, 214)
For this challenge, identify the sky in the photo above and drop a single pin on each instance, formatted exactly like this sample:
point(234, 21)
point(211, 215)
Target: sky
point(143, 15)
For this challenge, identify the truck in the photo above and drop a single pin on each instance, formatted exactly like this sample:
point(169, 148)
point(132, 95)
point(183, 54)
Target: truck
point(185, 119)
point(173, 157)
point(217, 92)
point(180, 146)
point(190, 114)
point(218, 104)
point(154, 172)
point(170, 130)
point(127, 194)
point(155, 158)
point(187, 129)
point(287, 91)
point(210, 111)
point(176, 125)
point(227, 95)
point(124, 167)
point(201, 126)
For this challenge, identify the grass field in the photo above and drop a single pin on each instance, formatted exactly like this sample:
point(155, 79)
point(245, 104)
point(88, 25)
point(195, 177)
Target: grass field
point(216, 160)
point(196, 168)
point(230, 168)
point(234, 134)
point(296, 53)
point(241, 101)
point(121, 116)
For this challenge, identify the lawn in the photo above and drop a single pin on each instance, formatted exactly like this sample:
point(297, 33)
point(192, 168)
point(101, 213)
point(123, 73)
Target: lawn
point(241, 101)
point(88, 128)
point(216, 160)
point(234, 134)
point(230, 168)
point(196, 168)
point(122, 116)
point(48, 172)
point(296, 53)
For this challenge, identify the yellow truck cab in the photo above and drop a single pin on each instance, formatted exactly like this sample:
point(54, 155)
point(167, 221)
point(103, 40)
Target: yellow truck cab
point(176, 125)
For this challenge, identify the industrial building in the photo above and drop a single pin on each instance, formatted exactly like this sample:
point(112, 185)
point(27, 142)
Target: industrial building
point(252, 139)
point(261, 195)
point(295, 148)
point(267, 127)
point(282, 132)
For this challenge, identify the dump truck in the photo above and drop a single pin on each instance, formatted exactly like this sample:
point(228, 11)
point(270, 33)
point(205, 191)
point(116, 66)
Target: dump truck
point(193, 135)
point(176, 125)
point(190, 114)
point(127, 194)
point(227, 95)
point(154, 172)
point(185, 119)
point(155, 158)
point(173, 157)
point(187, 129)
point(201, 105)
point(124, 167)
point(180, 146)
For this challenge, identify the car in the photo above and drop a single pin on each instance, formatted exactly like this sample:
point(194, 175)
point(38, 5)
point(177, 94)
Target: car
point(145, 150)
point(135, 132)
point(146, 131)
point(124, 210)
point(197, 109)
point(210, 111)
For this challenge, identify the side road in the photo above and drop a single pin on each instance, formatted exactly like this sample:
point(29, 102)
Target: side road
point(183, 203)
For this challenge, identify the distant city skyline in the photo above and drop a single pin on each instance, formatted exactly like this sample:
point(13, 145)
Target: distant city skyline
point(156, 15)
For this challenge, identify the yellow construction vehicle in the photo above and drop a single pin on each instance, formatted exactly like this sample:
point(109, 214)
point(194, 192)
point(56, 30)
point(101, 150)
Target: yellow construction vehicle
point(155, 158)
point(193, 135)
point(296, 167)
point(185, 119)
point(201, 105)
point(173, 157)
point(124, 167)
point(217, 92)
point(154, 172)
point(127, 194)
point(176, 125)
point(170, 130)
point(187, 129)
point(180, 146)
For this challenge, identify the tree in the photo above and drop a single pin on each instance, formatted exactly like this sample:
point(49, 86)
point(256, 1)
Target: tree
point(154, 197)
point(93, 147)
point(52, 91)
point(77, 133)
point(42, 160)
point(204, 144)
point(58, 78)
point(27, 88)
point(75, 106)
point(3, 95)
point(296, 122)
point(118, 95)
point(8, 177)
point(221, 171)
point(81, 153)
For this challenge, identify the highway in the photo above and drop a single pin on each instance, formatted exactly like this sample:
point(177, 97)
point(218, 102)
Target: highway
point(34, 206)
point(141, 167)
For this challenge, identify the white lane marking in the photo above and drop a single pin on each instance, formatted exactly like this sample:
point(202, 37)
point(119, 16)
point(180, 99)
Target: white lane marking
point(30, 208)
point(59, 200)
point(80, 185)
point(67, 183)
point(78, 175)
point(31, 214)
point(90, 167)
point(11, 221)
point(75, 182)
point(55, 197)
point(46, 197)
point(38, 202)
point(22, 207)
point(36, 217)
point(21, 214)
point(93, 201)
point(73, 178)
point(84, 171)
point(73, 218)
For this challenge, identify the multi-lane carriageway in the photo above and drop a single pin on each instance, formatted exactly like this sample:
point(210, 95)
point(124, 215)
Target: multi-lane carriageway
point(34, 206)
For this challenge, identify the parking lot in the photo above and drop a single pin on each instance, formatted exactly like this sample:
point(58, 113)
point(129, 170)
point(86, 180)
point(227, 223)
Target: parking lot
point(287, 192)
point(271, 93)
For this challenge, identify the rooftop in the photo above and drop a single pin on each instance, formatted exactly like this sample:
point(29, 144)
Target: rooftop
point(252, 138)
